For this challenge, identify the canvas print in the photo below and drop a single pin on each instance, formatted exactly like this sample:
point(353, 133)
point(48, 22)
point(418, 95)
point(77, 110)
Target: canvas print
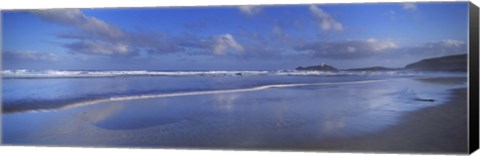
point(372, 77)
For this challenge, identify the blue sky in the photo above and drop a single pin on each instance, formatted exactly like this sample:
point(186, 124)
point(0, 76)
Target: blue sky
point(233, 37)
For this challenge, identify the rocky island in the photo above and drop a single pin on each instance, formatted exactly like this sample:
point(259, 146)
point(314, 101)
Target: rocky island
point(321, 67)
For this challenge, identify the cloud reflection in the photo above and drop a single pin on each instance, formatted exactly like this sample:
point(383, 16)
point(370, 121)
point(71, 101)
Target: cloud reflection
point(225, 101)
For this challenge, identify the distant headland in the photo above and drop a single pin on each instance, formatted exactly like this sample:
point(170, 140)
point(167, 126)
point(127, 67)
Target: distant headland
point(452, 63)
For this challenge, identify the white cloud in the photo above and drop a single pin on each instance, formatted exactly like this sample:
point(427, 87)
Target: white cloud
point(440, 48)
point(223, 43)
point(447, 43)
point(380, 45)
point(349, 49)
point(452, 43)
point(409, 6)
point(29, 55)
point(107, 49)
point(326, 21)
point(95, 36)
point(279, 33)
point(75, 18)
point(250, 10)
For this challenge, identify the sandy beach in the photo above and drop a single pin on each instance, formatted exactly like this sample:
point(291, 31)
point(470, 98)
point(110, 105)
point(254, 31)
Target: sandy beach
point(439, 129)
point(309, 77)
point(384, 118)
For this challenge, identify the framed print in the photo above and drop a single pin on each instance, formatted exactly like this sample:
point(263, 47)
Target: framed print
point(354, 77)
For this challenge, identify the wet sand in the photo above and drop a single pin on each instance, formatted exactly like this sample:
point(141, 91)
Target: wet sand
point(439, 129)
point(278, 119)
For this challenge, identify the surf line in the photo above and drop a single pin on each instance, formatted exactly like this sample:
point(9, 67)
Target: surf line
point(225, 91)
point(208, 92)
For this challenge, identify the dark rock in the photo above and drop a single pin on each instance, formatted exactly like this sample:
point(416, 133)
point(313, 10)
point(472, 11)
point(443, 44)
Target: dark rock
point(322, 67)
point(424, 100)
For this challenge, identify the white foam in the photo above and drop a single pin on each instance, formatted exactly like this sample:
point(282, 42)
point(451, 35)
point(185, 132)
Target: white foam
point(86, 74)
point(192, 93)
point(64, 73)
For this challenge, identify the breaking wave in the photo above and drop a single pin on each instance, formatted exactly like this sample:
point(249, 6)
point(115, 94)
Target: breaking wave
point(87, 74)
point(192, 93)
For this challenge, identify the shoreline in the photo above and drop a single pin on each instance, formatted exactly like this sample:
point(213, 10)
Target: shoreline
point(69, 105)
point(441, 128)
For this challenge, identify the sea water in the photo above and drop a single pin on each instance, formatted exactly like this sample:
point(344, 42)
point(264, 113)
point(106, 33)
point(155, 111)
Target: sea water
point(230, 109)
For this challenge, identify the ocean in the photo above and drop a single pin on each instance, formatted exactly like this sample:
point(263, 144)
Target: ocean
point(210, 109)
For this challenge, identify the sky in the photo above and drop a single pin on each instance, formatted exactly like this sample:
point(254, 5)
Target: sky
point(266, 37)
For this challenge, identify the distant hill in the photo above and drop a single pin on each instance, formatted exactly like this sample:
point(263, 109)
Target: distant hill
point(445, 63)
point(321, 67)
point(376, 68)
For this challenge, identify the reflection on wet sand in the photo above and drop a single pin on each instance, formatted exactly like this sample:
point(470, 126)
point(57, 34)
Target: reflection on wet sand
point(277, 117)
